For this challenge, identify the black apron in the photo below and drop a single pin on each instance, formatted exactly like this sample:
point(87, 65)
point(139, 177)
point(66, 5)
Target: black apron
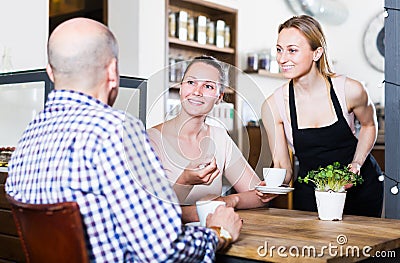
point(315, 147)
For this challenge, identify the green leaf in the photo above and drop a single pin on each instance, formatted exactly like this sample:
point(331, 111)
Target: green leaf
point(334, 176)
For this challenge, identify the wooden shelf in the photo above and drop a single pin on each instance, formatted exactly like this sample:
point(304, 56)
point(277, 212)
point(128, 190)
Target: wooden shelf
point(266, 73)
point(209, 6)
point(194, 44)
point(191, 48)
point(181, 50)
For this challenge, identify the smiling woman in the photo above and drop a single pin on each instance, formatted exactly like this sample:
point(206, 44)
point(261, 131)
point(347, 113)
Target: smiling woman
point(196, 155)
point(314, 113)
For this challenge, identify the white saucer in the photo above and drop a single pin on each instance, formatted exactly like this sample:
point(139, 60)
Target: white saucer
point(193, 224)
point(274, 190)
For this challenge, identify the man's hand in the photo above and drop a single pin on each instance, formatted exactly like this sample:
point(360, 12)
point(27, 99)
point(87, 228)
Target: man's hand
point(228, 219)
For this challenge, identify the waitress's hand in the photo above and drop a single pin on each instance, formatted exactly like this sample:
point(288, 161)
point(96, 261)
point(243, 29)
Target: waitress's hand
point(199, 173)
point(354, 167)
point(264, 197)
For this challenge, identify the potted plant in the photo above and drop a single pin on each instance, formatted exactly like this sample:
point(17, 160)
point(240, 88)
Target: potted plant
point(330, 192)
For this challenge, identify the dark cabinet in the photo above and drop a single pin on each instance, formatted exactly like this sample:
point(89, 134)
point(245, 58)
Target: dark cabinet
point(10, 246)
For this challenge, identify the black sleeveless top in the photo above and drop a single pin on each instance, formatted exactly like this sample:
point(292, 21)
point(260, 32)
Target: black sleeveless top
point(316, 147)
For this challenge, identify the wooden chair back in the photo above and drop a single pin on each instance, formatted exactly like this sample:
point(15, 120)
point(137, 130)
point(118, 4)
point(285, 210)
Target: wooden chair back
point(50, 232)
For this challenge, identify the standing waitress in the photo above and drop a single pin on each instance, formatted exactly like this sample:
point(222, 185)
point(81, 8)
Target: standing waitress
point(314, 113)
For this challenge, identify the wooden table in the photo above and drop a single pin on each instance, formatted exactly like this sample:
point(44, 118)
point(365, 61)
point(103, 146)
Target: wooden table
point(281, 235)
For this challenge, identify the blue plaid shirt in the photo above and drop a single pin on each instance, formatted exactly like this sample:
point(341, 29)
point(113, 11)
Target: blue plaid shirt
point(80, 149)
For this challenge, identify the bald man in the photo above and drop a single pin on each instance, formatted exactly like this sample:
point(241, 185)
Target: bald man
point(81, 149)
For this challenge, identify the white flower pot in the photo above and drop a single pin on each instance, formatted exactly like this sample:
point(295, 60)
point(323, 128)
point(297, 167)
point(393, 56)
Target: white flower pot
point(330, 204)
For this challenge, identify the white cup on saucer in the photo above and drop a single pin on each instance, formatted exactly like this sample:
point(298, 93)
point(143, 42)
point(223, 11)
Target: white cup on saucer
point(206, 207)
point(274, 177)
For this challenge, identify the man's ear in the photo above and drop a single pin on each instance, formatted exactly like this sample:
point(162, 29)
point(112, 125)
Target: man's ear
point(113, 75)
point(49, 71)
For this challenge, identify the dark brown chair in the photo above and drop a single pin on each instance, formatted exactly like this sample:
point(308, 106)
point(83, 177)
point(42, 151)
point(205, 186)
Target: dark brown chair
point(50, 232)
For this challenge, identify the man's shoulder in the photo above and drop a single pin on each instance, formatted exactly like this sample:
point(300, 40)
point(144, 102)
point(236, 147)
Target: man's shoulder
point(116, 117)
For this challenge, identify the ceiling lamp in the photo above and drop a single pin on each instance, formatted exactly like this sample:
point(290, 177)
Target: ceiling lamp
point(329, 11)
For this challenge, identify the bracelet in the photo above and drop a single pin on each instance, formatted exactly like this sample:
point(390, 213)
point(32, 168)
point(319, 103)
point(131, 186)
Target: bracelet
point(224, 234)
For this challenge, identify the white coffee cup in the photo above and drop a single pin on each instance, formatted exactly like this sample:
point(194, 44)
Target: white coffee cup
point(274, 177)
point(206, 207)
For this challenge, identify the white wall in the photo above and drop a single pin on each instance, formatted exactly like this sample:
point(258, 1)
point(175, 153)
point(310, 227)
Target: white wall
point(23, 38)
point(258, 26)
point(24, 32)
point(140, 29)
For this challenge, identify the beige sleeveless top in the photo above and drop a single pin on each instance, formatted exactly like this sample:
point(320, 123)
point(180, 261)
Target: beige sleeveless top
point(225, 151)
point(338, 85)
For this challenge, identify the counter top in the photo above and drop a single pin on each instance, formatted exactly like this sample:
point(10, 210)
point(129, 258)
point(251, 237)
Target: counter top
point(280, 235)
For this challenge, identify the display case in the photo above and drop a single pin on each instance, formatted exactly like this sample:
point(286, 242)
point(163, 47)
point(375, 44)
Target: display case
point(22, 96)
point(24, 93)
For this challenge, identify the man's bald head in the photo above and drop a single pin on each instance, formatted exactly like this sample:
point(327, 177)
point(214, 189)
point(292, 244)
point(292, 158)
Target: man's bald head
point(80, 48)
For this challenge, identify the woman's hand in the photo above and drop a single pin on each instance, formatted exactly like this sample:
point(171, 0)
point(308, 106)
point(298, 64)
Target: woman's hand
point(230, 200)
point(354, 167)
point(265, 197)
point(199, 173)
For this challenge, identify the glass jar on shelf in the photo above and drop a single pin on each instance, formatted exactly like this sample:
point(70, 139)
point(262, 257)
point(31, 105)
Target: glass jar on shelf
point(210, 32)
point(252, 61)
point(273, 66)
point(190, 29)
point(172, 69)
point(201, 30)
point(220, 33)
point(227, 39)
point(180, 68)
point(171, 24)
point(182, 17)
point(263, 60)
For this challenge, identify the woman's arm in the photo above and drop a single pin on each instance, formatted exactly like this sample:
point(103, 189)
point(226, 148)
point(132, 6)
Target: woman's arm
point(244, 179)
point(189, 214)
point(276, 136)
point(198, 172)
point(245, 200)
point(359, 102)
